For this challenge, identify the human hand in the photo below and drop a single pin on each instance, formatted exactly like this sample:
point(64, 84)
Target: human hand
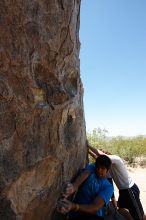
point(68, 189)
point(64, 206)
point(100, 152)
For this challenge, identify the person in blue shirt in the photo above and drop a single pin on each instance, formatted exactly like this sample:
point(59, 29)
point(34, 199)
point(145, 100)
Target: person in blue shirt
point(93, 192)
point(129, 193)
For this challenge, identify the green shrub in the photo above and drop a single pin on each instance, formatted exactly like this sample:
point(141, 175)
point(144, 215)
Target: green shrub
point(127, 148)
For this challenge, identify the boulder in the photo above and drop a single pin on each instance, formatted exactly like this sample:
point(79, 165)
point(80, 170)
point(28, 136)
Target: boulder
point(42, 126)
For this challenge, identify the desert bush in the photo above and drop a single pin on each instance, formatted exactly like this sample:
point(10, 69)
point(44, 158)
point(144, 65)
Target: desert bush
point(128, 148)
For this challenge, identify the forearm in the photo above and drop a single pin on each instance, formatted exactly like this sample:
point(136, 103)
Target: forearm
point(64, 206)
point(70, 188)
point(92, 154)
point(80, 179)
point(89, 208)
point(94, 150)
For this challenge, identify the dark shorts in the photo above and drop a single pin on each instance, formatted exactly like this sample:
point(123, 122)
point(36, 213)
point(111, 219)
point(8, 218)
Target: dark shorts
point(129, 199)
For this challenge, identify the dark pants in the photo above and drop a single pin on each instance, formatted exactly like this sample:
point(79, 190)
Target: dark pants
point(129, 199)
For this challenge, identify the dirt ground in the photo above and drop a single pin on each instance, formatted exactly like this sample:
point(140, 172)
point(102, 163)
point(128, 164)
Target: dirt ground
point(138, 174)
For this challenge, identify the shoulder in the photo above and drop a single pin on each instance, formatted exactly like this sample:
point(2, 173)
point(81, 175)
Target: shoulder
point(90, 167)
point(115, 159)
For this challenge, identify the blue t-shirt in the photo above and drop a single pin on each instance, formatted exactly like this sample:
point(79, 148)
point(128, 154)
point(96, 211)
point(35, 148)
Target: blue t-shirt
point(93, 187)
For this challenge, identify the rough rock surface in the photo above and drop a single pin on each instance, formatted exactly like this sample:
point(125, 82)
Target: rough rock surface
point(42, 128)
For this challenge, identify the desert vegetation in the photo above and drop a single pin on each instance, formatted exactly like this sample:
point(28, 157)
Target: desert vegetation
point(131, 149)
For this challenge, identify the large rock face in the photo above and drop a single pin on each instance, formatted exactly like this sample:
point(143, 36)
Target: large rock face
point(42, 129)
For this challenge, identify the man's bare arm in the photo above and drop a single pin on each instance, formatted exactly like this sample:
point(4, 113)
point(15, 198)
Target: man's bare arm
point(92, 154)
point(67, 206)
point(73, 187)
point(92, 208)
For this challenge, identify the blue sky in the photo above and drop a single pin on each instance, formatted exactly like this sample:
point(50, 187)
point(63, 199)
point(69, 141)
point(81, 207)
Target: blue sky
point(113, 65)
